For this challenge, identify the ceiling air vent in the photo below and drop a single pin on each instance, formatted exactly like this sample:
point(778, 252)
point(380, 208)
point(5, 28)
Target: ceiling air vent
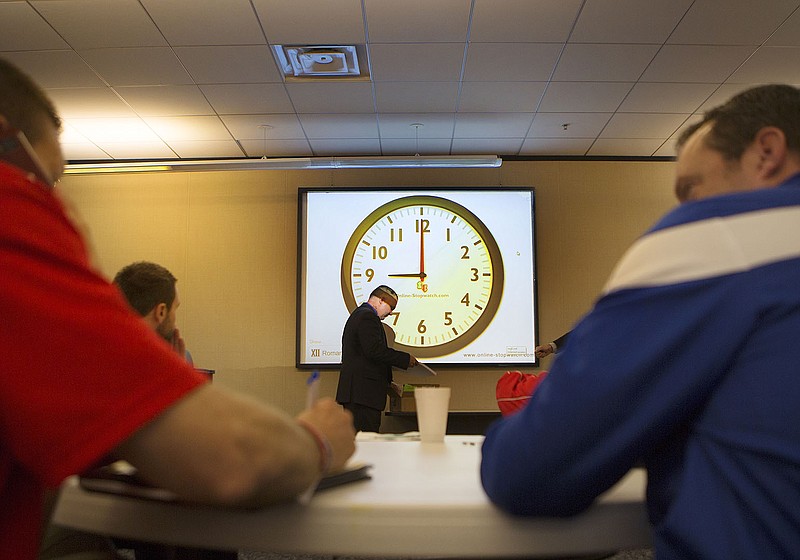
point(321, 61)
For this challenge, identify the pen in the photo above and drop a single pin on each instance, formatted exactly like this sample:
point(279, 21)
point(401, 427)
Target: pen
point(312, 389)
point(312, 393)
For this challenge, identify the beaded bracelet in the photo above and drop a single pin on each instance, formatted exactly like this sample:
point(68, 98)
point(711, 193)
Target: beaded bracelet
point(325, 450)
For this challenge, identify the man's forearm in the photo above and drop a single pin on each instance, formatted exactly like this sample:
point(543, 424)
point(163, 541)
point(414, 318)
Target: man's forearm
point(241, 453)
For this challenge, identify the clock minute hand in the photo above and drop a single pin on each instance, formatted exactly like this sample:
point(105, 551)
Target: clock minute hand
point(422, 274)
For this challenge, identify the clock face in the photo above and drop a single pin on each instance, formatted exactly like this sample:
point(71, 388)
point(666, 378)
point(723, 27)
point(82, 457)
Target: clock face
point(443, 263)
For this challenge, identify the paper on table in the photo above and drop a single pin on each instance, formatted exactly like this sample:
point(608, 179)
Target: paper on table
point(374, 436)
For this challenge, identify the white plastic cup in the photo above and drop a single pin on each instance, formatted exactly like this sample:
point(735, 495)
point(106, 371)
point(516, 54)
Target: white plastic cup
point(432, 406)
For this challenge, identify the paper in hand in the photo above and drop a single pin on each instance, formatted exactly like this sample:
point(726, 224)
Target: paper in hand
point(420, 369)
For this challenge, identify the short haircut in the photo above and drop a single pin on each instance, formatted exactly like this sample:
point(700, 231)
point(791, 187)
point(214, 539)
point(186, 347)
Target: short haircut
point(734, 124)
point(23, 103)
point(383, 291)
point(145, 285)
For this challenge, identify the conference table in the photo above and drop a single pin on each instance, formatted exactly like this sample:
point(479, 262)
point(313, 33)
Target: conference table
point(423, 500)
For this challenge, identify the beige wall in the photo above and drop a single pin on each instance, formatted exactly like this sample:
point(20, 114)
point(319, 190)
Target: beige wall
point(230, 238)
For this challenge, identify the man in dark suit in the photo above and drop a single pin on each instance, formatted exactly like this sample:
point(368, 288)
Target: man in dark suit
point(367, 360)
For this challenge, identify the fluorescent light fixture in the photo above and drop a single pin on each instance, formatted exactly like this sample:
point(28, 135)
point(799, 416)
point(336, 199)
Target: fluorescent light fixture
point(78, 169)
point(252, 164)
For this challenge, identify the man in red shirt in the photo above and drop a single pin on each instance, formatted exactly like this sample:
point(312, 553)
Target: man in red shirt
point(66, 332)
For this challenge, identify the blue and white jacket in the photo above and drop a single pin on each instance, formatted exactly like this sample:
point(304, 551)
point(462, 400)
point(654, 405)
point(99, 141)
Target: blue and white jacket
point(689, 363)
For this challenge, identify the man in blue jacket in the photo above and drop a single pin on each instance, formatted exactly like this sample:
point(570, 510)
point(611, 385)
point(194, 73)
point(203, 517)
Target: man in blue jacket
point(367, 360)
point(699, 324)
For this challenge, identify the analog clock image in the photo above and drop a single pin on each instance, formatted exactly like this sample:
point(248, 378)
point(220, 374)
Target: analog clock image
point(444, 264)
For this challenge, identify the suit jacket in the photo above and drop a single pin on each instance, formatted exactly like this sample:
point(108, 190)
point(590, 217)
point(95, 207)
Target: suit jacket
point(561, 341)
point(367, 360)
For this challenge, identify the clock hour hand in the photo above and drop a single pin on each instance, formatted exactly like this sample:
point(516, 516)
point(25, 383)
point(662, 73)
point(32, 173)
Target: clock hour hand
point(409, 275)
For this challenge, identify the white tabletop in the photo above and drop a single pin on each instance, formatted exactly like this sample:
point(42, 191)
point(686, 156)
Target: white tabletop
point(423, 500)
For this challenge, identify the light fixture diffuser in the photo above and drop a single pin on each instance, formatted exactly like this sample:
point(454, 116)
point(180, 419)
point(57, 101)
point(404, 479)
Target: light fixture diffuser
point(254, 164)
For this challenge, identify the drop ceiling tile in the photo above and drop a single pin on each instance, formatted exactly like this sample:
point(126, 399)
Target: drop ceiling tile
point(500, 97)
point(408, 147)
point(198, 149)
point(523, 20)
point(731, 22)
point(666, 98)
point(54, 69)
point(92, 24)
point(114, 130)
point(695, 63)
point(644, 147)
point(578, 125)
point(349, 147)
point(627, 21)
point(555, 146)
point(413, 97)
point(165, 100)
point(499, 146)
point(138, 150)
point(70, 135)
point(425, 62)
point(21, 28)
point(277, 148)
point(89, 102)
point(311, 22)
point(206, 22)
point(602, 62)
point(339, 126)
point(417, 21)
point(504, 62)
point(584, 97)
point(331, 97)
point(83, 151)
point(492, 125)
point(171, 129)
point(788, 34)
point(237, 64)
point(667, 149)
point(770, 65)
point(245, 99)
point(723, 94)
point(252, 127)
point(643, 125)
point(137, 66)
point(399, 125)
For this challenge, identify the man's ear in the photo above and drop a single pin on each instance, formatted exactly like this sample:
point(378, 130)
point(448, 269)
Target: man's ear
point(770, 143)
point(160, 313)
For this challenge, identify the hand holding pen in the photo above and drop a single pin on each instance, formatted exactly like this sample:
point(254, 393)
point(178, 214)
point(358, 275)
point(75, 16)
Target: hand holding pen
point(328, 419)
